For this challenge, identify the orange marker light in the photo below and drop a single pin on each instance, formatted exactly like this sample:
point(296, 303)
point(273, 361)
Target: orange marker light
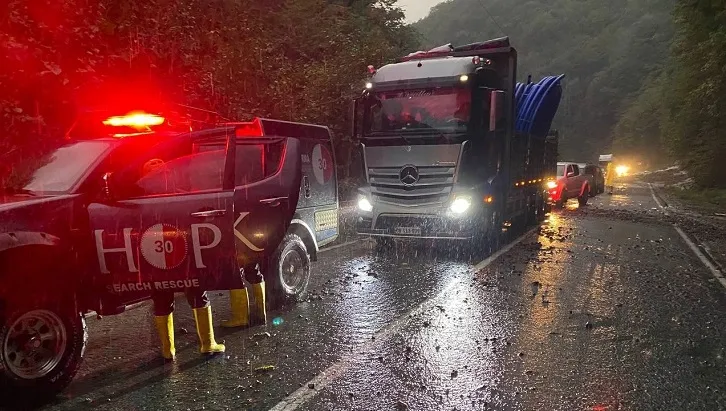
point(488, 199)
point(135, 119)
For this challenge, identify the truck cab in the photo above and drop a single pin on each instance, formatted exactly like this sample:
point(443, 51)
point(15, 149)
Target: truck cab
point(443, 157)
point(434, 131)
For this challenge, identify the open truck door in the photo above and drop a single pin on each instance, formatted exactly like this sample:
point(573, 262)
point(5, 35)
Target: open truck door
point(190, 212)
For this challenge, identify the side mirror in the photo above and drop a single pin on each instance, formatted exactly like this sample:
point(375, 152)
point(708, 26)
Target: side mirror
point(354, 119)
point(571, 174)
point(110, 187)
point(496, 108)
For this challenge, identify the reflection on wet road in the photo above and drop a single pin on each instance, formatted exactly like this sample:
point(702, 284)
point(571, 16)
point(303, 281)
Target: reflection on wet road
point(591, 312)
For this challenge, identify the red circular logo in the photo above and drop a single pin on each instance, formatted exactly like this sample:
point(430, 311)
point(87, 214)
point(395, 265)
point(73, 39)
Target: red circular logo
point(322, 164)
point(164, 246)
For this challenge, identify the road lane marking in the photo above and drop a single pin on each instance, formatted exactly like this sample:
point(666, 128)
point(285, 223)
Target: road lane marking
point(715, 271)
point(332, 373)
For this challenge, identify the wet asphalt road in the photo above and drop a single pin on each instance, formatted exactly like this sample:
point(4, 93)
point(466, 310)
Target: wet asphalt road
point(599, 309)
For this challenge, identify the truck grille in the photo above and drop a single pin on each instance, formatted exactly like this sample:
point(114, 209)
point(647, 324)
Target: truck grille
point(433, 187)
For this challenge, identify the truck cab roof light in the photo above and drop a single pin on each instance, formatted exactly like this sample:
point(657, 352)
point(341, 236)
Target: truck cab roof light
point(251, 129)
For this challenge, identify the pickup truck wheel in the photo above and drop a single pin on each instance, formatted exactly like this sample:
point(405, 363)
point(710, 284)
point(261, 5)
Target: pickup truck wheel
point(289, 273)
point(582, 199)
point(41, 349)
point(562, 201)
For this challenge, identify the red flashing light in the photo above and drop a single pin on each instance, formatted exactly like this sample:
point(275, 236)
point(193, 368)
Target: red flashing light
point(138, 120)
point(251, 129)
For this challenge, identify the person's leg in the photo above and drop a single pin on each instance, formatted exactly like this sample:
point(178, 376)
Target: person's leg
point(199, 302)
point(239, 305)
point(164, 320)
point(257, 281)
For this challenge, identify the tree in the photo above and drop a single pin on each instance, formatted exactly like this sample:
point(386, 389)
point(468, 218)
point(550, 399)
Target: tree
point(299, 60)
point(695, 109)
point(607, 50)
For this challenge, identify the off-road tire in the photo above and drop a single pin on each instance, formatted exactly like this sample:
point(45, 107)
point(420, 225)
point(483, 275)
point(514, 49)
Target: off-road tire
point(23, 391)
point(583, 198)
point(562, 201)
point(279, 291)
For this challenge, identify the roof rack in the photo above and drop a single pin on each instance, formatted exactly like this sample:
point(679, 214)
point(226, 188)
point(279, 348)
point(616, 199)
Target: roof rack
point(483, 48)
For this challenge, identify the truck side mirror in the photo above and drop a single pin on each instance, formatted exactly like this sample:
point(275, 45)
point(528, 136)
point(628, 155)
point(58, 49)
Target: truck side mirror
point(354, 118)
point(496, 108)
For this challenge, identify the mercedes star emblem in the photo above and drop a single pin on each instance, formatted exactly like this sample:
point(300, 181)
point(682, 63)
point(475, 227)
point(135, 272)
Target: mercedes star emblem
point(408, 175)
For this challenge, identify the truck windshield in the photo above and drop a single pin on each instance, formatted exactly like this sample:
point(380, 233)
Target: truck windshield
point(56, 172)
point(441, 109)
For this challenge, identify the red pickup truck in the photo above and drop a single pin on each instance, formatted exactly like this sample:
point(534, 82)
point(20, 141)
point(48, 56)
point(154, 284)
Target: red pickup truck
point(571, 183)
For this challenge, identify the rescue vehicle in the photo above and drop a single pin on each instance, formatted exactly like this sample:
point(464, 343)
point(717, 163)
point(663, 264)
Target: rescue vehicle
point(144, 201)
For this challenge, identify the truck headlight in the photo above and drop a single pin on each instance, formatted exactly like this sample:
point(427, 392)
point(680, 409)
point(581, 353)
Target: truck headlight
point(552, 185)
point(460, 205)
point(364, 204)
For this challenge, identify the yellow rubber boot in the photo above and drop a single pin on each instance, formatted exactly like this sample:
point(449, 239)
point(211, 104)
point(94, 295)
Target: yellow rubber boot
point(240, 304)
point(165, 328)
point(259, 313)
point(207, 344)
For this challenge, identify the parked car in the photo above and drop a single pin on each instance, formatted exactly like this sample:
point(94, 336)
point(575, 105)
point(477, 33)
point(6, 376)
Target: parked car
point(595, 176)
point(570, 183)
point(589, 176)
point(599, 173)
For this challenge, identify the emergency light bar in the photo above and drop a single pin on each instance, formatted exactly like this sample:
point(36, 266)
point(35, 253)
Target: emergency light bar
point(139, 120)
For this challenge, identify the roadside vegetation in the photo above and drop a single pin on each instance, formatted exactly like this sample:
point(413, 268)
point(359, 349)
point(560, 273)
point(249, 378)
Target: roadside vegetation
point(708, 199)
point(644, 77)
point(301, 60)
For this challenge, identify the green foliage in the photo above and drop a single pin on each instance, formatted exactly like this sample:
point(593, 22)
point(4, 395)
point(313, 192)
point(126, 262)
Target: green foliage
point(638, 131)
point(299, 60)
point(607, 49)
point(695, 115)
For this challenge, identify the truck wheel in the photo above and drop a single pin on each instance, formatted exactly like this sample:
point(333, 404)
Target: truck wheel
point(41, 349)
point(289, 272)
point(582, 199)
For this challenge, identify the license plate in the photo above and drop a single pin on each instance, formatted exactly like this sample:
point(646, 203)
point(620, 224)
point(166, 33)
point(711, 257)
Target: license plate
point(408, 230)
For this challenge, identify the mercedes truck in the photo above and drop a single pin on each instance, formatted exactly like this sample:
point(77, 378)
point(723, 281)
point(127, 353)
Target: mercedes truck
point(453, 147)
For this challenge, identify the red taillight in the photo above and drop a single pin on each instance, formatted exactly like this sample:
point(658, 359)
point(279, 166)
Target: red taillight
point(138, 120)
point(252, 129)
